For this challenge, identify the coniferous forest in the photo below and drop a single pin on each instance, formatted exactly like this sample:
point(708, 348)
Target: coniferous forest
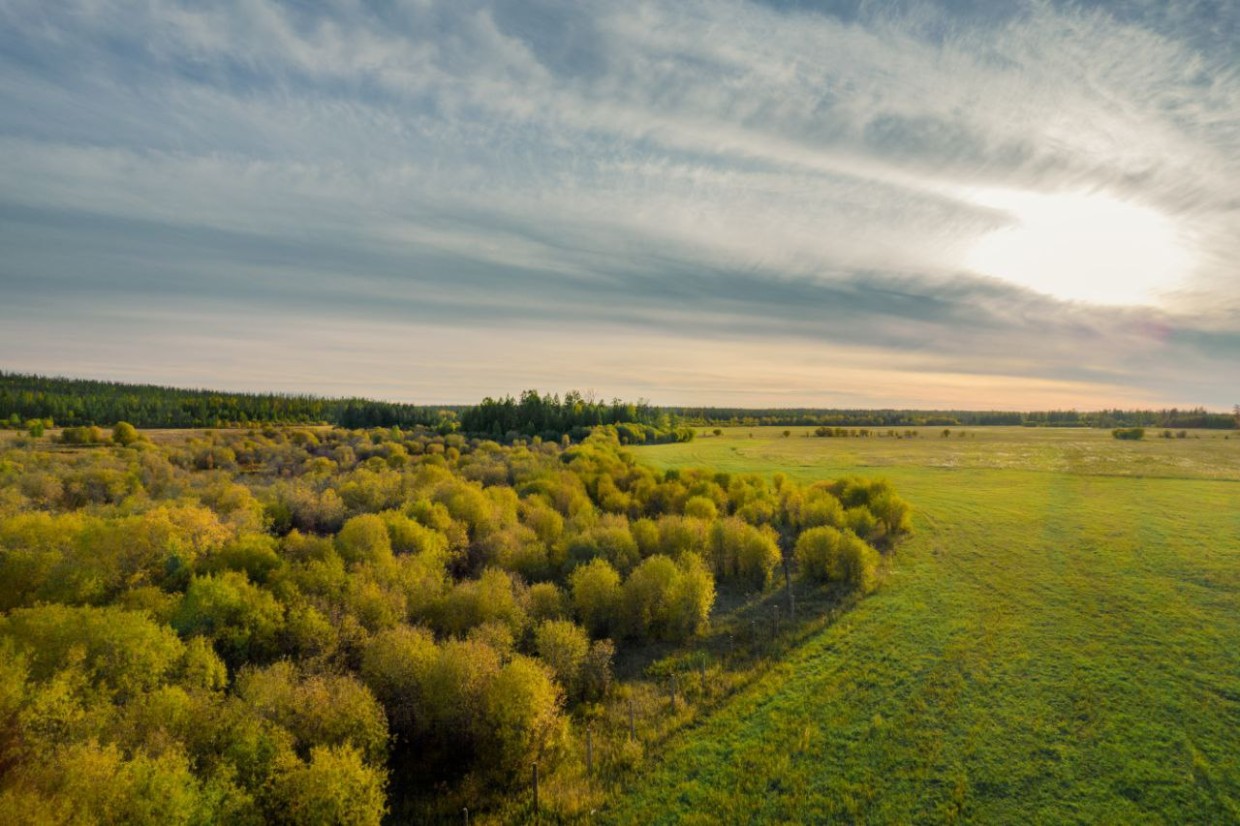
point(78, 402)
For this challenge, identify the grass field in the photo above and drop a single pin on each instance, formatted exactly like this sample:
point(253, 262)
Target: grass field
point(1058, 643)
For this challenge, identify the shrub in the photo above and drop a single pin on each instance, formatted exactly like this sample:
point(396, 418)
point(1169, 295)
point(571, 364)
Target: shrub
point(563, 646)
point(240, 618)
point(364, 539)
point(740, 550)
point(816, 552)
point(395, 665)
point(524, 719)
point(666, 600)
point(596, 595)
point(82, 436)
point(757, 556)
point(547, 601)
point(492, 597)
point(828, 555)
point(124, 434)
point(700, 507)
point(858, 564)
point(335, 786)
point(863, 523)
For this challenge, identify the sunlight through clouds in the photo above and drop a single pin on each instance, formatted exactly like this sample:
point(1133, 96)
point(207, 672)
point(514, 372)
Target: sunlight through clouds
point(1082, 247)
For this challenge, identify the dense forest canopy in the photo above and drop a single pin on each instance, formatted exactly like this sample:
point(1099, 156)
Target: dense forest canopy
point(318, 626)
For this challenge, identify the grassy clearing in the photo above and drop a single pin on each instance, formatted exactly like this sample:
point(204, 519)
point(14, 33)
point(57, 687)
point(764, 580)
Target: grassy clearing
point(1057, 644)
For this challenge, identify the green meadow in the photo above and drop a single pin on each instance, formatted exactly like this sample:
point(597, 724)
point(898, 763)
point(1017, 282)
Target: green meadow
point(1058, 642)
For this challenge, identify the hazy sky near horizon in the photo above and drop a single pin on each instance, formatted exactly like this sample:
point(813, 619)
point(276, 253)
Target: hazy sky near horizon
point(955, 203)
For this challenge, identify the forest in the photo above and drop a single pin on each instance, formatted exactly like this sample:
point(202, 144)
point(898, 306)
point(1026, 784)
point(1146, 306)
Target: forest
point(78, 402)
point(26, 400)
point(329, 625)
point(551, 417)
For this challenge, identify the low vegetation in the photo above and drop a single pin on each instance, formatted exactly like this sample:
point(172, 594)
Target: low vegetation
point(1131, 434)
point(1051, 645)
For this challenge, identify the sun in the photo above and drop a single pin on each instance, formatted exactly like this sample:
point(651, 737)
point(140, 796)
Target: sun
point(1081, 247)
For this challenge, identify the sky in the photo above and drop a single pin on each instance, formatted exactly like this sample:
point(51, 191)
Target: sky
point(846, 203)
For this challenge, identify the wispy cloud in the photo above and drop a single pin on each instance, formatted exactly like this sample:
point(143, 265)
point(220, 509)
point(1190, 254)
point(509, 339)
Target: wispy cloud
point(726, 177)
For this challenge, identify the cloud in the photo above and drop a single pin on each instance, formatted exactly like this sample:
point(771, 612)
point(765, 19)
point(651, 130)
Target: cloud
point(766, 177)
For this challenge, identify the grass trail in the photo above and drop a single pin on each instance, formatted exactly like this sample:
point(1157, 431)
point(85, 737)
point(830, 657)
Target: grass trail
point(1050, 647)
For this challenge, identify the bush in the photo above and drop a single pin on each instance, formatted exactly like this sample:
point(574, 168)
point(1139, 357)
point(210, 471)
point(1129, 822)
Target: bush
point(666, 600)
point(742, 551)
point(547, 601)
point(700, 507)
point(364, 539)
point(124, 434)
point(335, 786)
point(863, 523)
point(563, 646)
point(241, 619)
point(828, 555)
point(858, 564)
point(82, 436)
point(816, 552)
point(1129, 433)
point(596, 595)
point(524, 720)
point(758, 556)
point(395, 666)
point(318, 710)
point(492, 597)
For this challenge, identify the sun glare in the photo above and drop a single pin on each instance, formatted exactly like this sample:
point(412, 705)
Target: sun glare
point(1081, 247)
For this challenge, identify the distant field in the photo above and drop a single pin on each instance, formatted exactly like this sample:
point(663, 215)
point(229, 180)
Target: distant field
point(1058, 643)
point(1203, 454)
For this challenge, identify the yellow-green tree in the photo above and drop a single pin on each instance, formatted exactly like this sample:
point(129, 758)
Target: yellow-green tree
point(334, 787)
point(524, 719)
point(124, 434)
point(563, 646)
point(596, 596)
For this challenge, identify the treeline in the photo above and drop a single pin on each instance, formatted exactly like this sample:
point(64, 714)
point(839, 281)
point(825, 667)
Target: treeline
point(309, 626)
point(85, 402)
point(36, 403)
point(550, 417)
point(1197, 417)
point(26, 399)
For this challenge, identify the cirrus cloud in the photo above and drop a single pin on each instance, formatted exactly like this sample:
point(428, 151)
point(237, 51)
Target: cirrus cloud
point(393, 186)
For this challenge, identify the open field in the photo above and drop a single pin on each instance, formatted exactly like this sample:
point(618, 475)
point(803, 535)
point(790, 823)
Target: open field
point(1203, 454)
point(1056, 644)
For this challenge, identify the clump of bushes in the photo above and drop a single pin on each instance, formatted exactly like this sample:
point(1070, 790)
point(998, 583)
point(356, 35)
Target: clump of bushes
point(267, 624)
point(83, 436)
point(826, 554)
point(1129, 433)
